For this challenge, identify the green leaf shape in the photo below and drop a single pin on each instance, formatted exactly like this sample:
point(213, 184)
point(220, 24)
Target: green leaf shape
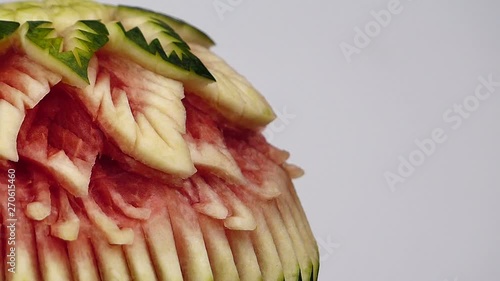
point(81, 41)
point(188, 32)
point(7, 28)
point(7, 31)
point(168, 45)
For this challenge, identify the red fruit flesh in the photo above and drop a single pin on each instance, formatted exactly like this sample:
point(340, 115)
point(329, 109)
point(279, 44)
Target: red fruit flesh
point(135, 222)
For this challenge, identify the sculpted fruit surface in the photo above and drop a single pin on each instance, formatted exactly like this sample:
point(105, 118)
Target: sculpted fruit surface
point(130, 151)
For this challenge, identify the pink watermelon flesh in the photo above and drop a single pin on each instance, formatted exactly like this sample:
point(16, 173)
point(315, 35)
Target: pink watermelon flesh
point(150, 217)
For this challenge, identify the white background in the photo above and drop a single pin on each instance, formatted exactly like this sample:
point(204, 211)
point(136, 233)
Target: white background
point(351, 122)
point(347, 123)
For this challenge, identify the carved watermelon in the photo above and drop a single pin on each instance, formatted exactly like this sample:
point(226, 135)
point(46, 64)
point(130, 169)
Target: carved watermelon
point(130, 151)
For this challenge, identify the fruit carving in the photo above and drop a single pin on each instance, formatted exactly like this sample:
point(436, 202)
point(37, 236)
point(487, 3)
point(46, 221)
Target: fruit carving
point(130, 151)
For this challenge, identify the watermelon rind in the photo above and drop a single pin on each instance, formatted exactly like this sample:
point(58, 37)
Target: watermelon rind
point(7, 30)
point(188, 32)
point(40, 41)
point(156, 46)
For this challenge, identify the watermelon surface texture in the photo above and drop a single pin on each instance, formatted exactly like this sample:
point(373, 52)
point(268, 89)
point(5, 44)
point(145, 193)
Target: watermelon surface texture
point(130, 151)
